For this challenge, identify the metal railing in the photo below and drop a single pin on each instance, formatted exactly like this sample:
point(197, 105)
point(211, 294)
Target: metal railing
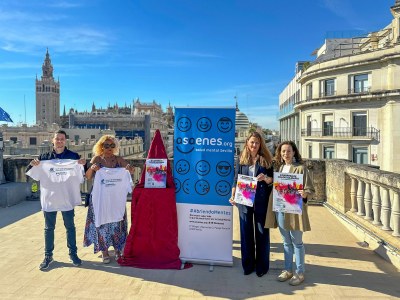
point(363, 90)
point(327, 94)
point(344, 132)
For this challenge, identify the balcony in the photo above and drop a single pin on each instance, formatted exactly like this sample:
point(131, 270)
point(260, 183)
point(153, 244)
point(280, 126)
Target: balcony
point(345, 133)
point(360, 90)
point(326, 94)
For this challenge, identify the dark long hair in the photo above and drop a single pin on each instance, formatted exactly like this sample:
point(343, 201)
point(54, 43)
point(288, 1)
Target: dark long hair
point(278, 160)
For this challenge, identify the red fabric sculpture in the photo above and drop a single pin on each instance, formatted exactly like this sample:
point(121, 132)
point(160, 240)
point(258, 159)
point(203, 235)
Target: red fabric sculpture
point(152, 242)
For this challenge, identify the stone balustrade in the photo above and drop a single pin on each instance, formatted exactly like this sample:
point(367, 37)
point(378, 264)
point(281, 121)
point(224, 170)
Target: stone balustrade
point(368, 197)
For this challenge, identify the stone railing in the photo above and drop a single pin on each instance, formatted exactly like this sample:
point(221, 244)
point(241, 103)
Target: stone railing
point(368, 197)
point(15, 167)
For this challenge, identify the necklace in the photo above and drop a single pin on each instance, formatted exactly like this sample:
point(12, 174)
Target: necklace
point(110, 161)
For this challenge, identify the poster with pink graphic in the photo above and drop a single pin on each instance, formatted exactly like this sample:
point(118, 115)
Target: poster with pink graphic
point(156, 173)
point(286, 196)
point(245, 190)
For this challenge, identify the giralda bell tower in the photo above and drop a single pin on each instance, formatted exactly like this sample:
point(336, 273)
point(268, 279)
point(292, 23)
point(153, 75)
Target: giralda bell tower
point(47, 95)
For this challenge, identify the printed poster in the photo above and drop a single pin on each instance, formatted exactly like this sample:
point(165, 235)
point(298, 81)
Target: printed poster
point(286, 196)
point(156, 173)
point(246, 190)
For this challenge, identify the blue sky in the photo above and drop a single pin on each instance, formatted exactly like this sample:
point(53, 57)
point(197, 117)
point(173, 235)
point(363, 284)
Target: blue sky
point(186, 52)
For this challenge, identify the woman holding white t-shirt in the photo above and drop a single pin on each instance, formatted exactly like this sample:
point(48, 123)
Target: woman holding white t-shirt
point(114, 233)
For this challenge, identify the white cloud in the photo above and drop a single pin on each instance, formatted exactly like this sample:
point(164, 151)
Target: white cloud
point(30, 30)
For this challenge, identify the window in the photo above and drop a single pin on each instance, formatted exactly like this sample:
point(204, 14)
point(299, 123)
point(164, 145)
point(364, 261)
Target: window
point(92, 136)
point(309, 150)
point(360, 155)
point(309, 91)
point(329, 152)
point(14, 139)
point(360, 124)
point(361, 83)
point(308, 125)
point(328, 125)
point(32, 141)
point(327, 87)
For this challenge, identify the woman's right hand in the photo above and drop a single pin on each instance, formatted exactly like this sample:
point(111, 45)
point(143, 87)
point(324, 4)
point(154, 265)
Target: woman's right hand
point(95, 167)
point(232, 201)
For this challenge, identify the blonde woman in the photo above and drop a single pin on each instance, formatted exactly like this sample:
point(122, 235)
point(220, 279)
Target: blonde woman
point(111, 234)
point(256, 161)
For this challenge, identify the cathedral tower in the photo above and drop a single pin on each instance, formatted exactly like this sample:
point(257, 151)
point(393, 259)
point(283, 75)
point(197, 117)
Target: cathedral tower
point(47, 95)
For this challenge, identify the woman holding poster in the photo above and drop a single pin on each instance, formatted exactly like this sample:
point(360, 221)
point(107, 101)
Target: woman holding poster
point(255, 161)
point(291, 225)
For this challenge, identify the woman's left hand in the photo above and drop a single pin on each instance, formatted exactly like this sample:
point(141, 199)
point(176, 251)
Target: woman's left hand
point(263, 177)
point(130, 168)
point(232, 201)
point(303, 194)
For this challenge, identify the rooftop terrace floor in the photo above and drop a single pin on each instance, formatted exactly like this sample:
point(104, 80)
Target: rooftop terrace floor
point(337, 267)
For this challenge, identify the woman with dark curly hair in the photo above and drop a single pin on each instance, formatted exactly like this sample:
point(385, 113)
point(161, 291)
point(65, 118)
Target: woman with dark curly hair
point(291, 226)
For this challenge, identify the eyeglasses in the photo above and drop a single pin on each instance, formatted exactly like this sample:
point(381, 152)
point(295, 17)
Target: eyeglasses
point(107, 146)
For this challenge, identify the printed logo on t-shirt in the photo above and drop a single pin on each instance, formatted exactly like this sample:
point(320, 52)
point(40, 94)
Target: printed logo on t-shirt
point(61, 171)
point(110, 182)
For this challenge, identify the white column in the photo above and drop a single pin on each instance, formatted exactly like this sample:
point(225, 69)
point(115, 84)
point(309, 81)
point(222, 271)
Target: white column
point(385, 214)
point(360, 198)
point(396, 214)
point(376, 206)
point(353, 193)
point(368, 201)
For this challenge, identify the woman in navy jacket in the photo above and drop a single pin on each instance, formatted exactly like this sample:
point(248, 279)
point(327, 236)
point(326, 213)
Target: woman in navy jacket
point(256, 161)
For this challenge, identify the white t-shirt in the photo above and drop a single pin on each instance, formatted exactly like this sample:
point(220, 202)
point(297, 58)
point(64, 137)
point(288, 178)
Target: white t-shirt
point(60, 183)
point(110, 189)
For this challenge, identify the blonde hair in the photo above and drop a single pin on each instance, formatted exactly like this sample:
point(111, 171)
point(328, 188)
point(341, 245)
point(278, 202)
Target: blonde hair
point(98, 147)
point(265, 159)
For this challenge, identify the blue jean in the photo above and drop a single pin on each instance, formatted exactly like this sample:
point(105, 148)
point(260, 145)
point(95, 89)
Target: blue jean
point(292, 243)
point(49, 226)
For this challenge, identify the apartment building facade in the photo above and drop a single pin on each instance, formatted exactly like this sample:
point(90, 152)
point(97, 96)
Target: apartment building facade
point(350, 99)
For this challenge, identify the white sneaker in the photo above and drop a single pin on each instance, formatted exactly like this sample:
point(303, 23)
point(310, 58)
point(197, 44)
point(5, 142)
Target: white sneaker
point(285, 275)
point(296, 279)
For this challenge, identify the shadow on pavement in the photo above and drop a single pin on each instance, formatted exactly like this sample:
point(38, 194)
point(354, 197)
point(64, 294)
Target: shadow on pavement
point(12, 214)
point(229, 282)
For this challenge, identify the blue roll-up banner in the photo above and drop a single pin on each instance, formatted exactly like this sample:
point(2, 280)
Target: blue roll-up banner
point(204, 142)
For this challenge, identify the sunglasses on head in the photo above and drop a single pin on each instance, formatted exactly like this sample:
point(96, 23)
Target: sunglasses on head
point(107, 146)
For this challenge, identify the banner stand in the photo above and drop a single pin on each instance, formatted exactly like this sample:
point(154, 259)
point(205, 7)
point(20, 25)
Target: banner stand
point(204, 143)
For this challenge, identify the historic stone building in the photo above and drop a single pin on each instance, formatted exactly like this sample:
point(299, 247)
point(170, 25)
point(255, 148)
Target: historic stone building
point(138, 119)
point(47, 95)
point(242, 127)
point(350, 100)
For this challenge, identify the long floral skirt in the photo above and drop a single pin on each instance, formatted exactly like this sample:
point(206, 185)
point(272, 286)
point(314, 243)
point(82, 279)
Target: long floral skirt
point(110, 234)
